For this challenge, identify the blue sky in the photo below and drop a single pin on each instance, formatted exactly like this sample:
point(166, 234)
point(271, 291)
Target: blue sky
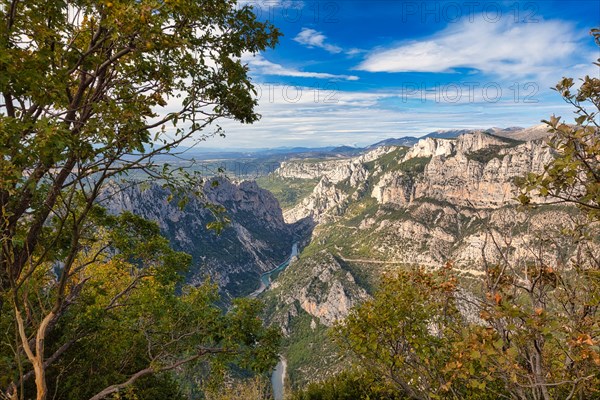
point(355, 72)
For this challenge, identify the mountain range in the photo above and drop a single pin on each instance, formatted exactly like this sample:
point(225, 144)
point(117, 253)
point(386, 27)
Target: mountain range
point(204, 153)
point(441, 200)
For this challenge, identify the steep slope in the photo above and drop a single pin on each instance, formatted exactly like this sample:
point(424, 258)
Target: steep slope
point(474, 170)
point(256, 240)
point(305, 300)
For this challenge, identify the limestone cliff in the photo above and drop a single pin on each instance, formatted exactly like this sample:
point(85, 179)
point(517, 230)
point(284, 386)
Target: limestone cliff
point(335, 170)
point(431, 201)
point(318, 285)
point(325, 201)
point(476, 169)
point(256, 240)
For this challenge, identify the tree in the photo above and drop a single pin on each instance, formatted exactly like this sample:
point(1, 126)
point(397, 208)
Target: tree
point(574, 175)
point(129, 309)
point(539, 312)
point(542, 313)
point(257, 388)
point(92, 90)
point(349, 385)
point(407, 333)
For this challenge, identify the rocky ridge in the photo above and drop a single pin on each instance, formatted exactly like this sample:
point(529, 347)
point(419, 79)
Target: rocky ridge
point(334, 170)
point(423, 205)
point(476, 169)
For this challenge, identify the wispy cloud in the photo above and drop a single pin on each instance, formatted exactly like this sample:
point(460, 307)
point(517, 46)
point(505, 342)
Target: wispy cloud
point(312, 38)
point(503, 49)
point(345, 117)
point(258, 64)
point(355, 51)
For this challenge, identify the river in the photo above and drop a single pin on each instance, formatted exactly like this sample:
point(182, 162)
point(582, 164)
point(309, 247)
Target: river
point(265, 279)
point(278, 376)
point(278, 379)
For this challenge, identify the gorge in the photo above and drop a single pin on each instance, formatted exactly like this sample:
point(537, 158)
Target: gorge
point(363, 216)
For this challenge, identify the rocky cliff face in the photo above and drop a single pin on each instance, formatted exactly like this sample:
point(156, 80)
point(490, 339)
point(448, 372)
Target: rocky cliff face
point(334, 170)
point(471, 171)
point(422, 205)
point(470, 178)
point(433, 202)
point(325, 201)
point(317, 285)
point(476, 169)
point(430, 147)
point(305, 301)
point(256, 240)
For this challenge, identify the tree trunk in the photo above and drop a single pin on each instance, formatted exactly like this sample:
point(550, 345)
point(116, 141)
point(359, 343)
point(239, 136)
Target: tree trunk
point(40, 379)
point(37, 359)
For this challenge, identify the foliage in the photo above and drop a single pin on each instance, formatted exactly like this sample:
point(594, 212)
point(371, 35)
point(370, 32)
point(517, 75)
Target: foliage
point(130, 312)
point(540, 318)
point(348, 385)
point(388, 161)
point(257, 388)
point(486, 154)
point(405, 333)
point(535, 336)
point(547, 312)
point(414, 166)
point(393, 161)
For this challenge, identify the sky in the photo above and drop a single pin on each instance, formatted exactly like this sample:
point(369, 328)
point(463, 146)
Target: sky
point(356, 72)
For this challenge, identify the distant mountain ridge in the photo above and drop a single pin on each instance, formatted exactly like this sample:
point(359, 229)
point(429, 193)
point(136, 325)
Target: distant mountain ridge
point(282, 153)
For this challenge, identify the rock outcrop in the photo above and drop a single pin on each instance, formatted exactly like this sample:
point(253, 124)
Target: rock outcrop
point(325, 201)
point(444, 199)
point(335, 170)
point(477, 170)
point(318, 286)
point(431, 147)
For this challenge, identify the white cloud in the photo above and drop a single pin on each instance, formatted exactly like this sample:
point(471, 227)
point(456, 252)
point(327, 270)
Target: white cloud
point(354, 52)
point(503, 49)
point(258, 64)
point(312, 38)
